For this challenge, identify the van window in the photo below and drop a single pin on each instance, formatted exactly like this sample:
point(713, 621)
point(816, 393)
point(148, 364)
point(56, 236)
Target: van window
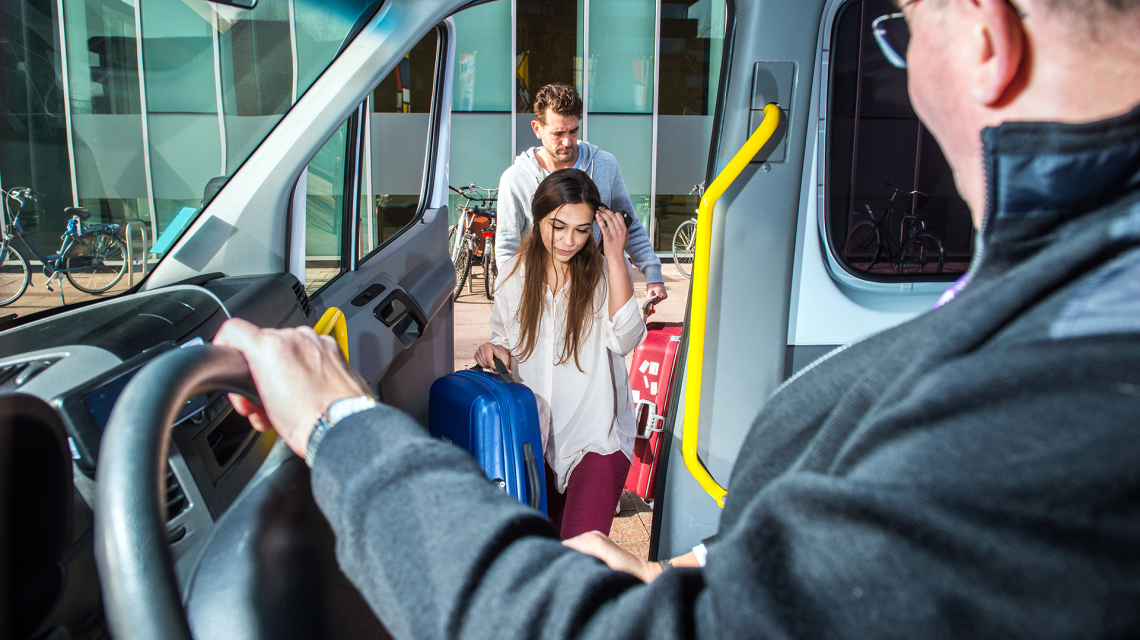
point(396, 137)
point(876, 145)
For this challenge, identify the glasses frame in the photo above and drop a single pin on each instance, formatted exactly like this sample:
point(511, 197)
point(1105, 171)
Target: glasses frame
point(890, 51)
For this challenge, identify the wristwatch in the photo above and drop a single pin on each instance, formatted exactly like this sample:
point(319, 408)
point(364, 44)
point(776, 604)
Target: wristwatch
point(665, 563)
point(337, 411)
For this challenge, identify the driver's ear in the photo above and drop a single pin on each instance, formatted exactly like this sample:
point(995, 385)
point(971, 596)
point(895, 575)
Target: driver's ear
point(1000, 44)
point(536, 126)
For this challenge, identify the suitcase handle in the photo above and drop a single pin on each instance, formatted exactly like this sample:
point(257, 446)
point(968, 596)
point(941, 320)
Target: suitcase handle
point(653, 422)
point(500, 369)
point(533, 486)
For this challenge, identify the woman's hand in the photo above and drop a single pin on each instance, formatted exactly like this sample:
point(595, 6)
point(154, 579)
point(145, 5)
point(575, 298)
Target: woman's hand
point(485, 356)
point(614, 233)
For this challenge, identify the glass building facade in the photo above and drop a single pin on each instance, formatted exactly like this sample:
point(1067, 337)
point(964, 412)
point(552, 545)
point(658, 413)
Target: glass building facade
point(140, 109)
point(648, 72)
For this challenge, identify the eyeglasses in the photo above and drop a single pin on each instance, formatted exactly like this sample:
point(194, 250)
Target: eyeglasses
point(892, 34)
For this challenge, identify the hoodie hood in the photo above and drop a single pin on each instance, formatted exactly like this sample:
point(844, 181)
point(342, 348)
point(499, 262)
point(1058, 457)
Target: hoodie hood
point(528, 161)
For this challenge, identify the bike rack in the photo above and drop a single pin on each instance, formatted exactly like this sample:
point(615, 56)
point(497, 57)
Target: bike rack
point(130, 252)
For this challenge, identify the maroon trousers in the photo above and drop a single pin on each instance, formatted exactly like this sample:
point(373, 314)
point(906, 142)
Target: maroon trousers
point(591, 494)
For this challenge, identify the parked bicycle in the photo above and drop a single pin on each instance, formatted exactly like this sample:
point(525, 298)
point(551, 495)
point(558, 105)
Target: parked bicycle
point(920, 251)
point(685, 238)
point(92, 257)
point(468, 238)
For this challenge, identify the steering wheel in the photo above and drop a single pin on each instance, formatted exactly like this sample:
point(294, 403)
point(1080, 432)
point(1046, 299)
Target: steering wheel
point(140, 592)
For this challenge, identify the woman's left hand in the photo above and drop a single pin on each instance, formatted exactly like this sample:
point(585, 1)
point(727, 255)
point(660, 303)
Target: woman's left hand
point(614, 232)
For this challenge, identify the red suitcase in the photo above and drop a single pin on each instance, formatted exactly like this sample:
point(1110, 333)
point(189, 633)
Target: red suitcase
point(649, 379)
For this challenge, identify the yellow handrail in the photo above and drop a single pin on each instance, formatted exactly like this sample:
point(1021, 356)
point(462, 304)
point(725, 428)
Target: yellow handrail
point(333, 323)
point(694, 360)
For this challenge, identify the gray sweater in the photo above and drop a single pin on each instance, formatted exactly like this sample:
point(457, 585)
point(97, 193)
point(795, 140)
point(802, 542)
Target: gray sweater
point(520, 181)
point(971, 473)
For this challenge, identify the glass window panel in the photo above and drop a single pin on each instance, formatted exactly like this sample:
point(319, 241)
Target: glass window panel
point(692, 41)
point(691, 49)
point(182, 104)
point(481, 101)
point(548, 43)
point(106, 123)
point(483, 58)
point(320, 31)
point(324, 212)
point(399, 121)
point(874, 138)
point(629, 138)
point(33, 135)
point(621, 56)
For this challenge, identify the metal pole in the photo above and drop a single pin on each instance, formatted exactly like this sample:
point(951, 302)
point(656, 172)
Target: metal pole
point(218, 88)
point(653, 151)
point(67, 104)
point(145, 125)
point(130, 251)
point(586, 70)
point(514, 79)
point(293, 47)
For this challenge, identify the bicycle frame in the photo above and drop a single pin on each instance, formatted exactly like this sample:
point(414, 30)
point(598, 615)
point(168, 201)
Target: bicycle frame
point(70, 236)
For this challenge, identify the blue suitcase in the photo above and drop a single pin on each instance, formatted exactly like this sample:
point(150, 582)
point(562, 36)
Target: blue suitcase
point(495, 420)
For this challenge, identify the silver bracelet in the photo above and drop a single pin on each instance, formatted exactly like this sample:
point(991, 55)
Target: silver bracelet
point(665, 564)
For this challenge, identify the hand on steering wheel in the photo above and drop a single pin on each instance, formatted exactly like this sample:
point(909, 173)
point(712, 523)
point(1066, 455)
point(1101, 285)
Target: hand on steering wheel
point(298, 375)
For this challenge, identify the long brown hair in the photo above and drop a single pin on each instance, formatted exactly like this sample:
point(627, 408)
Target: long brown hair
point(565, 186)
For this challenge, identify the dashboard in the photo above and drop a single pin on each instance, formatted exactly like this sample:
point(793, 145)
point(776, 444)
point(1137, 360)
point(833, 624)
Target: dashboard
point(80, 360)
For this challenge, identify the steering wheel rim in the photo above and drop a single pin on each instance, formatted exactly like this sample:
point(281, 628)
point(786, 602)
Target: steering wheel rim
point(140, 592)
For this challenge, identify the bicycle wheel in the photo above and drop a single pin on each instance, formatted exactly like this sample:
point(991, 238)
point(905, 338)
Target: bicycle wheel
point(922, 254)
point(862, 248)
point(684, 240)
point(462, 268)
point(14, 275)
point(490, 269)
point(451, 233)
point(95, 262)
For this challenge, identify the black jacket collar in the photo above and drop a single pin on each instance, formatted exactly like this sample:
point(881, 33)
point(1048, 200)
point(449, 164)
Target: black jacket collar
point(1043, 175)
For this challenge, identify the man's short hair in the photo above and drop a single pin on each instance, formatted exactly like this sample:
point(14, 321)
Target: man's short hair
point(559, 98)
point(1098, 19)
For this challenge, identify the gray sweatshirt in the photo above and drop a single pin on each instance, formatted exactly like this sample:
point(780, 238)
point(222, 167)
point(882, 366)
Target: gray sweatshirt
point(520, 181)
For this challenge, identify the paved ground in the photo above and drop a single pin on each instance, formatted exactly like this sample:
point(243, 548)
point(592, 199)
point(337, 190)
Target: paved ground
point(38, 298)
point(631, 527)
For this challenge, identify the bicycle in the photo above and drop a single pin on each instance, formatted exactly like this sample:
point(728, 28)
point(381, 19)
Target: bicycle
point(93, 258)
point(490, 267)
point(685, 238)
point(467, 238)
point(919, 250)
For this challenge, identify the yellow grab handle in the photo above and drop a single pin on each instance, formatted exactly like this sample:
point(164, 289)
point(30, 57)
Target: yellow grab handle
point(694, 361)
point(332, 323)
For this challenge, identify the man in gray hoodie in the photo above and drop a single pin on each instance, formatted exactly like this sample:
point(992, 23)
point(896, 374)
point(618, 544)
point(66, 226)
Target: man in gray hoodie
point(557, 113)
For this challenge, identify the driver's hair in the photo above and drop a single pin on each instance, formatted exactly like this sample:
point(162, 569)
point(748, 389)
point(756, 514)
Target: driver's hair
point(1099, 20)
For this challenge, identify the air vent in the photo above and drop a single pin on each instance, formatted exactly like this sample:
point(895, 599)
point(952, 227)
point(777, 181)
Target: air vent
point(303, 298)
point(176, 501)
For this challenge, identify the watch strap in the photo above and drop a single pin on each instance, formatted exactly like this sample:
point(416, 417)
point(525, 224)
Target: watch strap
point(337, 411)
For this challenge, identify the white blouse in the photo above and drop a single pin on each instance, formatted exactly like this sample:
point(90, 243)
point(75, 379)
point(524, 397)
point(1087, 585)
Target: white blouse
point(580, 411)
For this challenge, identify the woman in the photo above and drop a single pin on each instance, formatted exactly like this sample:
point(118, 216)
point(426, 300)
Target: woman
point(564, 318)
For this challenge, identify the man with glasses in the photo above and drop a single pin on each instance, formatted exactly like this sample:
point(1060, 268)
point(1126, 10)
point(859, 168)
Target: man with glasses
point(974, 472)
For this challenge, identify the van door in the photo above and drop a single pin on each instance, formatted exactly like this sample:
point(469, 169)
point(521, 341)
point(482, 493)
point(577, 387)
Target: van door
point(784, 284)
point(368, 226)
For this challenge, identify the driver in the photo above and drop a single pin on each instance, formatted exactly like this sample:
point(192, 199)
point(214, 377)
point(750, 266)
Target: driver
point(972, 472)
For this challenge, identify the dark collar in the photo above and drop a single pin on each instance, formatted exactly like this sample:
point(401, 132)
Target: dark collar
point(1047, 169)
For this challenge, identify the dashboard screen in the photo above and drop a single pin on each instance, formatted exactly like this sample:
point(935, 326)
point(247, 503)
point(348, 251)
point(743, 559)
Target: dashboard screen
point(102, 400)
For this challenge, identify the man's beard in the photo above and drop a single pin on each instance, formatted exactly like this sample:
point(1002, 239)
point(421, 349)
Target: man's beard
point(562, 154)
